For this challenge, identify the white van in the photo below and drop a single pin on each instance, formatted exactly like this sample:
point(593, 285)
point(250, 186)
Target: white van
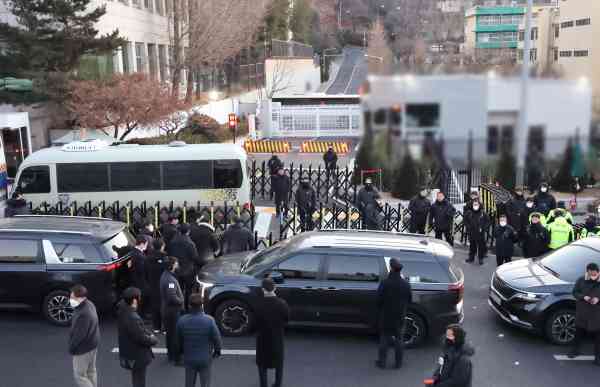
point(95, 171)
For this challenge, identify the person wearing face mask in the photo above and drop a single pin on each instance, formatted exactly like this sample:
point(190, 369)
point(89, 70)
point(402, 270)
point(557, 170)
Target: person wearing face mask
point(506, 237)
point(544, 200)
point(148, 233)
point(455, 368)
point(477, 223)
point(473, 197)
point(368, 205)
point(419, 208)
point(590, 227)
point(172, 302)
point(516, 211)
point(536, 239)
point(281, 185)
point(441, 217)
point(306, 202)
point(84, 337)
point(587, 310)
point(135, 341)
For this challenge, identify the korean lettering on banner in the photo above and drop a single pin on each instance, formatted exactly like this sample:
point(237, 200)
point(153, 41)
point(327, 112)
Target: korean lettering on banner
point(3, 173)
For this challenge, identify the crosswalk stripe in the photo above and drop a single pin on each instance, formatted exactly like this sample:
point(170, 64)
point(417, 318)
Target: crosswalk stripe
point(578, 358)
point(240, 352)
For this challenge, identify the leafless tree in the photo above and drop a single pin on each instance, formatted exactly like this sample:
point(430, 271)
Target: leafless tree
point(279, 76)
point(379, 54)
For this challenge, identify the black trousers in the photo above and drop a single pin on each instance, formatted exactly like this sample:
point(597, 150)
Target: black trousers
point(306, 220)
point(192, 373)
point(392, 339)
point(187, 284)
point(138, 376)
point(447, 235)
point(281, 207)
point(580, 335)
point(416, 228)
point(477, 247)
point(170, 323)
point(156, 315)
point(262, 375)
point(502, 260)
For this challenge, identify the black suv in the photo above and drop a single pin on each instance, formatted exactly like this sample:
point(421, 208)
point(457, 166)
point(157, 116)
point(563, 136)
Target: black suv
point(535, 294)
point(41, 257)
point(330, 278)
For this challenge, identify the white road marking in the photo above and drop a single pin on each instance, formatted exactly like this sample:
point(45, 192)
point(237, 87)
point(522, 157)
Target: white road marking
point(578, 358)
point(351, 76)
point(240, 352)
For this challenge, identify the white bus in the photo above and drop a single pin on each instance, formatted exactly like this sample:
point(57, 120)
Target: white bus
point(94, 171)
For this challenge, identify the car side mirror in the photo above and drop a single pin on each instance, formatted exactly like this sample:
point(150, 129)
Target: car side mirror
point(276, 276)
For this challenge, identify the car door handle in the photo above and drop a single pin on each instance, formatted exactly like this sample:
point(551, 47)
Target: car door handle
point(330, 289)
point(308, 288)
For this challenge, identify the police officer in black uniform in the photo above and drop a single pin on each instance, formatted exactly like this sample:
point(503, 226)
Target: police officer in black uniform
point(306, 201)
point(419, 208)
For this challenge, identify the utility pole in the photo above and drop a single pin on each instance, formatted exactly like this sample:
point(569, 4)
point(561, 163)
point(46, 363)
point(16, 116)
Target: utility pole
point(523, 113)
point(340, 14)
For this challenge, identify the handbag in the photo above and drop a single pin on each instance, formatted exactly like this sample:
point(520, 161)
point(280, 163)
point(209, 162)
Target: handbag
point(127, 364)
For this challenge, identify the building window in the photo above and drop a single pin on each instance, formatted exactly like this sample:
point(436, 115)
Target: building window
point(580, 53)
point(492, 140)
point(507, 138)
point(583, 22)
point(533, 54)
point(162, 62)
point(566, 24)
point(534, 33)
point(158, 6)
point(556, 30)
point(152, 60)
point(536, 142)
point(521, 36)
point(566, 54)
point(520, 54)
point(140, 57)
point(555, 52)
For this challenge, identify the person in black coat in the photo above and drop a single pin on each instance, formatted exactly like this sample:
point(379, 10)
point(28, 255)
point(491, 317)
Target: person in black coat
point(281, 186)
point(183, 248)
point(454, 365)
point(368, 205)
point(515, 212)
point(16, 205)
point(148, 232)
point(477, 223)
point(156, 263)
point(137, 265)
point(537, 238)
point(274, 164)
point(330, 159)
point(506, 237)
point(272, 315)
point(442, 218)
point(237, 238)
point(544, 200)
point(203, 236)
point(306, 201)
point(393, 298)
point(171, 305)
point(419, 208)
point(169, 230)
point(587, 310)
point(135, 342)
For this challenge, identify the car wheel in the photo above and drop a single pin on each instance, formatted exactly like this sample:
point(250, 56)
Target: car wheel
point(415, 330)
point(560, 327)
point(56, 308)
point(234, 318)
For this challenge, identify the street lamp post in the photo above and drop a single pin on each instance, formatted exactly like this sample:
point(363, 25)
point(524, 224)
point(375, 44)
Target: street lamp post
point(523, 118)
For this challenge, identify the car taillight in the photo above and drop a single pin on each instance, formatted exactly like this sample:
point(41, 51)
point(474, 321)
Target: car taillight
point(109, 267)
point(459, 289)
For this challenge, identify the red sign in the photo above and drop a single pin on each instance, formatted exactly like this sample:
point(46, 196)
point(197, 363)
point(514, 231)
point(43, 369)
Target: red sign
point(232, 121)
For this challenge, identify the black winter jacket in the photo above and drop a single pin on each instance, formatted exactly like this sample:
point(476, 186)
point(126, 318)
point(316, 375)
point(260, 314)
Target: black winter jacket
point(236, 239)
point(306, 198)
point(456, 369)
point(330, 159)
point(393, 297)
point(168, 232)
point(272, 316)
point(536, 241)
point(505, 237)
point(587, 316)
point(135, 341)
point(85, 331)
point(274, 164)
point(203, 236)
point(516, 214)
point(198, 338)
point(419, 210)
point(544, 202)
point(156, 264)
point(137, 270)
point(367, 197)
point(442, 215)
point(184, 249)
point(171, 296)
point(281, 186)
point(16, 207)
point(477, 224)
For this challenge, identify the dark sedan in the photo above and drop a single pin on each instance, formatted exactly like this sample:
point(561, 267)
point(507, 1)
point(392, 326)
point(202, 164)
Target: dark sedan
point(535, 294)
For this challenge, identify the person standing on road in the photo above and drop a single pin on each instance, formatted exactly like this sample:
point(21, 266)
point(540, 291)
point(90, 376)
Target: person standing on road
point(172, 301)
point(148, 232)
point(156, 264)
point(169, 230)
point(237, 238)
point(135, 341)
point(203, 236)
point(560, 208)
point(590, 227)
point(587, 310)
point(454, 365)
point(272, 316)
point(544, 200)
point(183, 248)
point(84, 337)
point(330, 158)
point(274, 164)
point(561, 232)
point(281, 185)
point(199, 341)
point(473, 197)
point(516, 212)
point(419, 208)
point(138, 273)
point(393, 297)
point(368, 205)
point(537, 238)
point(506, 237)
point(306, 202)
point(477, 223)
point(442, 218)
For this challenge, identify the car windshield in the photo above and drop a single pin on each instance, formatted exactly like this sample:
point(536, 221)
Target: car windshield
point(263, 259)
point(118, 245)
point(569, 262)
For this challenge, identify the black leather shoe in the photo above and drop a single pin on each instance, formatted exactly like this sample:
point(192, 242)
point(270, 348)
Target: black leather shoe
point(379, 364)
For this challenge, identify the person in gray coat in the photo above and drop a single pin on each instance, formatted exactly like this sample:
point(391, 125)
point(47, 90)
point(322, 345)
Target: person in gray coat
point(172, 301)
point(587, 310)
point(83, 338)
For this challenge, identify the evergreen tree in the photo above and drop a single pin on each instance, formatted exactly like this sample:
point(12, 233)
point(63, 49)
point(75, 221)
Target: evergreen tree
point(301, 22)
point(506, 172)
point(406, 178)
point(365, 158)
point(277, 21)
point(563, 181)
point(52, 36)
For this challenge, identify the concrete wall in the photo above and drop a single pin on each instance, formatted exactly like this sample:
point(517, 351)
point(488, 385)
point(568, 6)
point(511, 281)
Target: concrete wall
point(290, 76)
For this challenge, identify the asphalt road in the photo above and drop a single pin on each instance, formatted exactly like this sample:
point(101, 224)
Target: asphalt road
point(33, 354)
point(352, 73)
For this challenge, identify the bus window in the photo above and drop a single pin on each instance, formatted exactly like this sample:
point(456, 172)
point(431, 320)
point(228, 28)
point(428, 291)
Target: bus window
point(187, 175)
point(227, 174)
point(91, 177)
point(35, 180)
point(142, 176)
